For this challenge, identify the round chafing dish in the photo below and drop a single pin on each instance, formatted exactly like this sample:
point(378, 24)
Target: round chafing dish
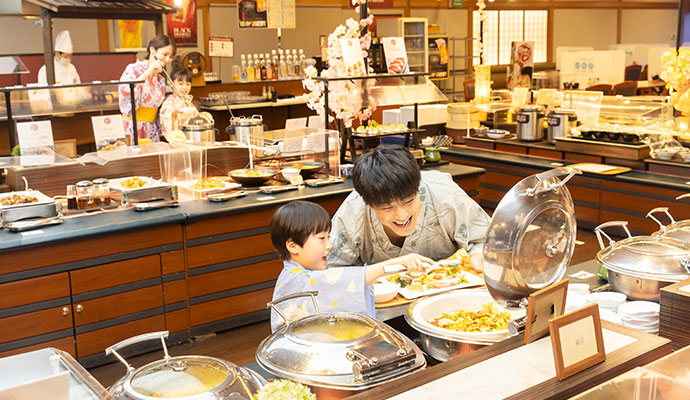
point(676, 229)
point(342, 351)
point(200, 128)
point(445, 344)
point(183, 377)
point(640, 266)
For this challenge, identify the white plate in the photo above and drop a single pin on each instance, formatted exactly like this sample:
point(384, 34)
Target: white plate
point(573, 301)
point(610, 316)
point(149, 183)
point(384, 291)
point(607, 299)
point(578, 288)
point(42, 198)
point(228, 186)
point(474, 280)
point(639, 308)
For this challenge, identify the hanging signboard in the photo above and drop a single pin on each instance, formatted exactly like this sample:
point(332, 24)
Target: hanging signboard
point(221, 46)
point(182, 24)
point(456, 3)
point(252, 13)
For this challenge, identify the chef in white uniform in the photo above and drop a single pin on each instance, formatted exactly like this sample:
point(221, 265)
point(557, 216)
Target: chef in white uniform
point(65, 73)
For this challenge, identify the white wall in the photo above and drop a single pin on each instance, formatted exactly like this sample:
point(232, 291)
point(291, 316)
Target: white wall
point(649, 26)
point(595, 28)
point(24, 36)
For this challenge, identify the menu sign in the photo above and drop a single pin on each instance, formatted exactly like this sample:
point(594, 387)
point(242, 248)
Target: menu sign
point(36, 142)
point(108, 132)
point(252, 13)
point(587, 104)
point(352, 57)
point(281, 14)
point(221, 46)
point(182, 24)
point(396, 56)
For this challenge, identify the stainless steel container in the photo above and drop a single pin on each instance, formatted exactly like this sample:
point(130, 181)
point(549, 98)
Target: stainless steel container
point(342, 351)
point(559, 122)
point(676, 229)
point(248, 130)
point(530, 124)
point(183, 377)
point(200, 128)
point(640, 266)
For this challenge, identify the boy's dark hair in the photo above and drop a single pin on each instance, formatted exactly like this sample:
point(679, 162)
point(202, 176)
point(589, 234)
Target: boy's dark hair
point(297, 220)
point(181, 72)
point(389, 173)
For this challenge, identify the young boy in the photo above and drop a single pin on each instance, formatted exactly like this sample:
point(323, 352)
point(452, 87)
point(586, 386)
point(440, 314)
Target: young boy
point(174, 111)
point(299, 232)
point(397, 210)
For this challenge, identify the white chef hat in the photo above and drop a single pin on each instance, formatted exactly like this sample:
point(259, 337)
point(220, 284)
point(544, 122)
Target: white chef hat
point(63, 42)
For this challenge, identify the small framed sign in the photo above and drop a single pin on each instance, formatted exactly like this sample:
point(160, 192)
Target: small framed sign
point(544, 305)
point(577, 341)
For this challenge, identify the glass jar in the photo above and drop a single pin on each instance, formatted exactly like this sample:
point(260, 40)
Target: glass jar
point(84, 194)
point(101, 192)
point(71, 197)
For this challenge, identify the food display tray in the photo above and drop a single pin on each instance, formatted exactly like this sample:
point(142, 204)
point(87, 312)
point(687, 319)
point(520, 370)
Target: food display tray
point(45, 207)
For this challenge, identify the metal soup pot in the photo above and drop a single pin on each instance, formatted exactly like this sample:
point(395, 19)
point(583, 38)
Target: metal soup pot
point(345, 352)
point(183, 377)
point(640, 266)
point(247, 129)
point(200, 128)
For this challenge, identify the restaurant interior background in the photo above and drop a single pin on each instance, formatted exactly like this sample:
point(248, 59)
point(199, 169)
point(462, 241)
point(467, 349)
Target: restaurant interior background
point(594, 23)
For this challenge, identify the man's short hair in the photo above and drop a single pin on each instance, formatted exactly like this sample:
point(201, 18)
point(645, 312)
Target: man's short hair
point(297, 220)
point(386, 174)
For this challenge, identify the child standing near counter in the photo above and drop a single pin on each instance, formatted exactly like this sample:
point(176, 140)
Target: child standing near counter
point(299, 232)
point(175, 111)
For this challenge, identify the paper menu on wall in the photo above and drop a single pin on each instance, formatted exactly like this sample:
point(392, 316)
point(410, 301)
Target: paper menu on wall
point(36, 142)
point(396, 55)
point(587, 105)
point(352, 57)
point(281, 14)
point(108, 132)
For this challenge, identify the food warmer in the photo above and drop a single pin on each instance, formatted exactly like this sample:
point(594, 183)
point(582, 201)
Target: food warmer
point(528, 246)
point(640, 266)
point(28, 209)
point(343, 352)
point(676, 229)
point(183, 377)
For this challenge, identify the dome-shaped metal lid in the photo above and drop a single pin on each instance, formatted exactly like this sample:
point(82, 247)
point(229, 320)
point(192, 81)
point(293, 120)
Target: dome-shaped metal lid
point(649, 257)
point(677, 230)
point(338, 350)
point(531, 238)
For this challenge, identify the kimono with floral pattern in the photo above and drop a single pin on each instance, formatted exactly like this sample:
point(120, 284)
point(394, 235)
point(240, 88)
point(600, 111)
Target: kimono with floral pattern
point(449, 220)
point(340, 289)
point(151, 93)
point(170, 117)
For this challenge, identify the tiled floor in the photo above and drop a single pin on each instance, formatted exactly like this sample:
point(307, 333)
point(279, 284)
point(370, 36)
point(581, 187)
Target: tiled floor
point(239, 345)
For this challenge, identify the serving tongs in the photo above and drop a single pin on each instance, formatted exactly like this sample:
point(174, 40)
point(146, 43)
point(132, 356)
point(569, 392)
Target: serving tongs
point(277, 189)
point(220, 197)
point(323, 182)
point(153, 205)
point(25, 225)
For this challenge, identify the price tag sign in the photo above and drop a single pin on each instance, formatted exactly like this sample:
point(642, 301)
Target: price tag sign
point(520, 97)
point(221, 46)
point(352, 57)
point(587, 104)
point(396, 56)
point(36, 142)
point(108, 132)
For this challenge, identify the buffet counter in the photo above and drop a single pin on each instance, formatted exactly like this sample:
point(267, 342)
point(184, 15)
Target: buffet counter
point(598, 198)
point(199, 268)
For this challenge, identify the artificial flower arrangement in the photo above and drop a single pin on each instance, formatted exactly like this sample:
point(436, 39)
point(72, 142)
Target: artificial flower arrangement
point(345, 98)
point(676, 74)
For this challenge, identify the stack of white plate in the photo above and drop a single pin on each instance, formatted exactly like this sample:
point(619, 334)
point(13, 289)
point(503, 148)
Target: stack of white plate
point(607, 300)
point(640, 315)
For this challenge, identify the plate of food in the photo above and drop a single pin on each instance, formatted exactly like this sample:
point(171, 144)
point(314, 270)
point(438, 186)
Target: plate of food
point(441, 277)
point(214, 184)
point(252, 176)
point(135, 183)
point(23, 198)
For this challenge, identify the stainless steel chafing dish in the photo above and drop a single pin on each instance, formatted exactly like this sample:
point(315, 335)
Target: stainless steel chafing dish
point(154, 190)
point(640, 266)
point(676, 229)
point(343, 351)
point(183, 377)
point(43, 211)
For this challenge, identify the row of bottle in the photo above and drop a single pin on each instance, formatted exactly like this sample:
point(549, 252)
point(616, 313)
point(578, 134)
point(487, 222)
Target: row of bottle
point(262, 67)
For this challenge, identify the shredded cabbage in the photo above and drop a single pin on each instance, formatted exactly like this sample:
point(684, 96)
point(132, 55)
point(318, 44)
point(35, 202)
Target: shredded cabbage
point(282, 389)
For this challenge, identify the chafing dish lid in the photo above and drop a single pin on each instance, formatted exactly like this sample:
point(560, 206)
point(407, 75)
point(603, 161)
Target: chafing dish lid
point(655, 257)
point(186, 376)
point(531, 238)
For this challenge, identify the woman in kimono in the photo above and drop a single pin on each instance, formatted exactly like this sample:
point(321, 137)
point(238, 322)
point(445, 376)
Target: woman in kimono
point(150, 94)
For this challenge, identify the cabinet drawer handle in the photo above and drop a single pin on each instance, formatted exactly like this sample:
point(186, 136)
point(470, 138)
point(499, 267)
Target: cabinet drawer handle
point(79, 308)
point(65, 310)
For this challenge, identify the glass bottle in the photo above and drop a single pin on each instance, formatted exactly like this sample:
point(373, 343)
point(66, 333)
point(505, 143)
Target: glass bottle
point(101, 192)
point(302, 63)
point(257, 68)
point(274, 64)
point(72, 197)
point(250, 69)
point(296, 68)
point(290, 65)
point(243, 76)
point(84, 194)
point(282, 66)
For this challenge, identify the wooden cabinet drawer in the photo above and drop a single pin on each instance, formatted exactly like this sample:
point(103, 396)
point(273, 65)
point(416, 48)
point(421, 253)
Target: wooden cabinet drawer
point(230, 306)
point(35, 323)
point(229, 250)
point(174, 292)
point(172, 262)
point(114, 274)
point(34, 290)
point(234, 277)
point(232, 223)
point(104, 308)
point(176, 321)
point(65, 344)
point(97, 341)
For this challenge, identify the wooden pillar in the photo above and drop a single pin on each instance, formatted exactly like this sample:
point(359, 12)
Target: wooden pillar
point(103, 36)
point(159, 24)
point(48, 52)
point(206, 17)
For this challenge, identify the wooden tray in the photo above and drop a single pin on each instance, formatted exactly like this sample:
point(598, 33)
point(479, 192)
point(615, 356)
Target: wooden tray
point(613, 171)
point(603, 149)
